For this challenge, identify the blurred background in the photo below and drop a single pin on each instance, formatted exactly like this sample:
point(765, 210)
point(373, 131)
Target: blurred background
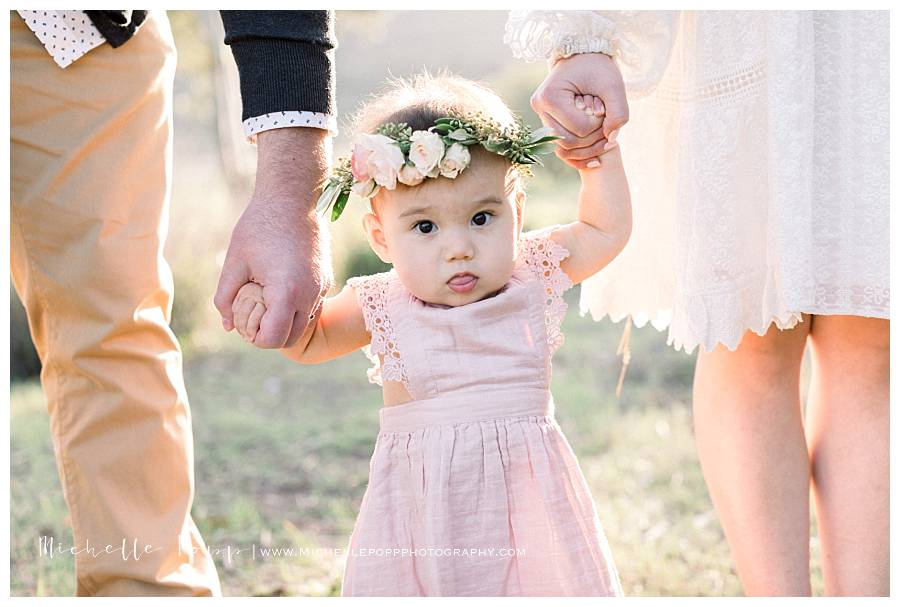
point(282, 450)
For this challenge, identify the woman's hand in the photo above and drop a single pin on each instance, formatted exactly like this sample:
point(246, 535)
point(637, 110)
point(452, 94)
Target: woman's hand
point(585, 135)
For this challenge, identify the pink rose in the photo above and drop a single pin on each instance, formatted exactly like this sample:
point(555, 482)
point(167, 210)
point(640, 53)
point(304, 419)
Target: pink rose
point(383, 160)
point(358, 162)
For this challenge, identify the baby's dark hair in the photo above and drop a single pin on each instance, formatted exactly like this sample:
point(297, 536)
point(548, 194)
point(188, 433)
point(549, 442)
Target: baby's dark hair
point(422, 99)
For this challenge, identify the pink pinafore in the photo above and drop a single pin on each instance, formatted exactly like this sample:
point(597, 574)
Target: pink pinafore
point(473, 488)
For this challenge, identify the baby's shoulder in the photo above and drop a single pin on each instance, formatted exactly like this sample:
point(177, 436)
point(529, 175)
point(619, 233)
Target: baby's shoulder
point(372, 295)
point(540, 253)
point(371, 280)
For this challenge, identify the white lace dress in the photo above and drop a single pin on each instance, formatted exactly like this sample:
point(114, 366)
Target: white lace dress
point(757, 154)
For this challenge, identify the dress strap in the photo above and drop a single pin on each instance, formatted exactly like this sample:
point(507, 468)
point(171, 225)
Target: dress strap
point(372, 294)
point(542, 255)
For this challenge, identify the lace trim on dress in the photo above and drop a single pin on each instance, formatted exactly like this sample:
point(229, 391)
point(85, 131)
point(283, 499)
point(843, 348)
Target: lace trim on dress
point(536, 35)
point(639, 41)
point(543, 255)
point(372, 293)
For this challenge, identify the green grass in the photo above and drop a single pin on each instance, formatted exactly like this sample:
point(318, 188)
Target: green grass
point(281, 460)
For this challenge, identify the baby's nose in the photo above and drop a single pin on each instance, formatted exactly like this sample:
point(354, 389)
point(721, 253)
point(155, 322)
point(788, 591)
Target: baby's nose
point(459, 247)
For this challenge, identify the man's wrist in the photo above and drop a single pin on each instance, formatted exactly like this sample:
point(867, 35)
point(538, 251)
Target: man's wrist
point(291, 164)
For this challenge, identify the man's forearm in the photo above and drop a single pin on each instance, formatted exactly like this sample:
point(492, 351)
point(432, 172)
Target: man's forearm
point(291, 164)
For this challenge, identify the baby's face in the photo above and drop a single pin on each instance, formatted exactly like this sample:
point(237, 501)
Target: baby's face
point(451, 241)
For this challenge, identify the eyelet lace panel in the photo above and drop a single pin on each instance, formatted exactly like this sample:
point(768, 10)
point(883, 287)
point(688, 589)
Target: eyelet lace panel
point(372, 294)
point(543, 256)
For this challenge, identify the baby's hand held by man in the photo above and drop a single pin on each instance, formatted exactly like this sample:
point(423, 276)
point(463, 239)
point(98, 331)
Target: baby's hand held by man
point(248, 309)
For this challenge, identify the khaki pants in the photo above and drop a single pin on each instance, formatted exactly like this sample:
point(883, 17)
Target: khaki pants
point(90, 175)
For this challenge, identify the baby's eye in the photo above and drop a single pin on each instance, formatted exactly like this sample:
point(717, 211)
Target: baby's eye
point(424, 227)
point(482, 218)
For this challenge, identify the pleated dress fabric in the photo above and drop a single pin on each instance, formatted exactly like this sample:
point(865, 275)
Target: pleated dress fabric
point(473, 488)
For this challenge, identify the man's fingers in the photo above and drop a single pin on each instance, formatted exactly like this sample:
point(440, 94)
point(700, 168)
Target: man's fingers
point(233, 277)
point(298, 327)
point(276, 324)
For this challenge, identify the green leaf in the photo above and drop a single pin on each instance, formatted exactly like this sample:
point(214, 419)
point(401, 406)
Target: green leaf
point(497, 147)
point(543, 148)
point(327, 196)
point(459, 135)
point(339, 205)
point(544, 140)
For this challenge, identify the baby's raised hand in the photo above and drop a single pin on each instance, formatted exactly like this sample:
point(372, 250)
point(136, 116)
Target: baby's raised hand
point(590, 105)
point(248, 309)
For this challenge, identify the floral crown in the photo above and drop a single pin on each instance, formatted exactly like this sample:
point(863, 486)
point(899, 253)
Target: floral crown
point(397, 153)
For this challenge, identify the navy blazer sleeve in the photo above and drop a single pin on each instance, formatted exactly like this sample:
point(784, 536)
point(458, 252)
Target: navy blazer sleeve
point(285, 60)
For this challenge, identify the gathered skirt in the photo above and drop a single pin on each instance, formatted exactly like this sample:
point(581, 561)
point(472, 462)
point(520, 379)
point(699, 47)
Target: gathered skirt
point(477, 495)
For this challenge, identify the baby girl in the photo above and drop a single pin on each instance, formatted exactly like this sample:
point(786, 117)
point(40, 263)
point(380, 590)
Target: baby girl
point(473, 488)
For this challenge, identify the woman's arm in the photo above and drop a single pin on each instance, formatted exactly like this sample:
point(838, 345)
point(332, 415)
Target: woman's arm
point(604, 219)
point(339, 327)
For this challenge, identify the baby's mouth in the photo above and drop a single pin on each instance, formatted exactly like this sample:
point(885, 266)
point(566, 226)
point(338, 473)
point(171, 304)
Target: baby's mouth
point(462, 282)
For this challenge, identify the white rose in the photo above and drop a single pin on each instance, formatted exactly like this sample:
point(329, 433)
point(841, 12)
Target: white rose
point(456, 158)
point(425, 151)
point(384, 161)
point(410, 175)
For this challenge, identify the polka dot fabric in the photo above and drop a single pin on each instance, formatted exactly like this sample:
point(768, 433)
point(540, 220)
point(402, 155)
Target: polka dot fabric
point(287, 119)
point(67, 35)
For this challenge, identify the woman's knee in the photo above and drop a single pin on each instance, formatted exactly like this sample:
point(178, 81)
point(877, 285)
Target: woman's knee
point(762, 359)
point(853, 345)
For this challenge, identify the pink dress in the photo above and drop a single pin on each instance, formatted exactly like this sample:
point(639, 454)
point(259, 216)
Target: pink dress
point(473, 488)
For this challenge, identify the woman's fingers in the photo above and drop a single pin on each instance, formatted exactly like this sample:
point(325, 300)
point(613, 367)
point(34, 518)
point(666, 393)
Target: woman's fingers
point(585, 153)
point(559, 130)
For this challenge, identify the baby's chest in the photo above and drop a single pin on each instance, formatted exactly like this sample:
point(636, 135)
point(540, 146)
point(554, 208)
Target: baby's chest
point(495, 346)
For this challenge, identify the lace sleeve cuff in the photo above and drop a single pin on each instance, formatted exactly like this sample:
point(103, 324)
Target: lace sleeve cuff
point(640, 41)
point(553, 35)
point(543, 256)
point(372, 296)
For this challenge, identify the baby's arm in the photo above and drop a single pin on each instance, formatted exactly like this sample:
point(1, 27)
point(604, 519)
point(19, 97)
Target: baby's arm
point(604, 213)
point(339, 326)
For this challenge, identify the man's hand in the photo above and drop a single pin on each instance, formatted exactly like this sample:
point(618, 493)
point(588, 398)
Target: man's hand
point(586, 136)
point(279, 242)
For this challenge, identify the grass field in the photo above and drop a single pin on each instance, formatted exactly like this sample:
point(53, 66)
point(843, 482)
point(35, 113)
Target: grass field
point(282, 456)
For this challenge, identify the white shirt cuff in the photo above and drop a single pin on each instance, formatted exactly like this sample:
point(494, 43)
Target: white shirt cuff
point(288, 119)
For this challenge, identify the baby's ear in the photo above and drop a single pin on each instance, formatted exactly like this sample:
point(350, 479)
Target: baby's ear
point(520, 208)
point(375, 236)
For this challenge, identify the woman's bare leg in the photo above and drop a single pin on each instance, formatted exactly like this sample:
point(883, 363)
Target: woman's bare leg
point(849, 434)
point(748, 423)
